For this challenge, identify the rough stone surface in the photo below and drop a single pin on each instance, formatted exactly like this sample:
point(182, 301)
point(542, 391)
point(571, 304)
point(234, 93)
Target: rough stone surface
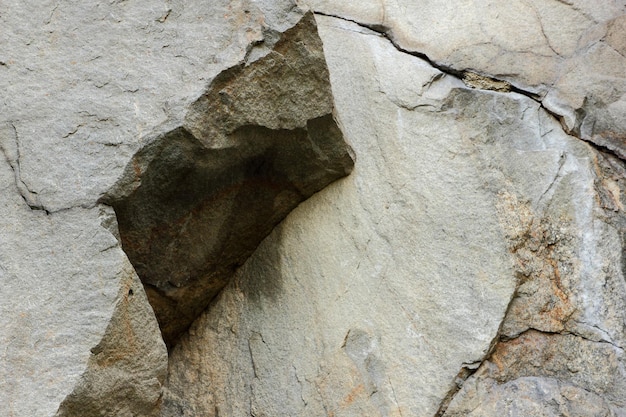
point(256, 144)
point(561, 347)
point(570, 54)
point(472, 264)
point(547, 375)
point(87, 88)
point(104, 78)
point(343, 294)
point(76, 325)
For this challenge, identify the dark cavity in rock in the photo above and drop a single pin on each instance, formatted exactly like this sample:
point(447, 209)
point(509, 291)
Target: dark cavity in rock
point(195, 202)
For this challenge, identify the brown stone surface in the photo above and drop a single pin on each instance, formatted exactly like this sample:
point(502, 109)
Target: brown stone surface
point(261, 139)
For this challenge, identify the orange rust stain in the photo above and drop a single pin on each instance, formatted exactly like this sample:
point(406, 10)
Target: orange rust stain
point(352, 395)
point(502, 351)
point(558, 286)
point(618, 137)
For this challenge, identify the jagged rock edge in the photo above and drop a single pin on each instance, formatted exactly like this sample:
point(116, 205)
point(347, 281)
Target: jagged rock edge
point(386, 32)
point(153, 143)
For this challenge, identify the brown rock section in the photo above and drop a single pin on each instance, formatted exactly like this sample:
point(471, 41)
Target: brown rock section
point(545, 374)
point(546, 362)
point(545, 264)
point(202, 197)
point(125, 372)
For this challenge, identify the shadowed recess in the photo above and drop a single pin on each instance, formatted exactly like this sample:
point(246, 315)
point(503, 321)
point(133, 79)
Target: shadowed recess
point(195, 202)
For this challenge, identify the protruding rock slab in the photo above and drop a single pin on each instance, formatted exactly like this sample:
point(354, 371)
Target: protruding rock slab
point(83, 87)
point(76, 328)
point(570, 54)
point(202, 197)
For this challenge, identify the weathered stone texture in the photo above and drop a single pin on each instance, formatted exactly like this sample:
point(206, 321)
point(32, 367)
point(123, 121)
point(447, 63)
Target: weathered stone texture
point(472, 264)
point(101, 77)
point(73, 315)
point(85, 88)
point(472, 224)
point(202, 197)
point(570, 54)
point(548, 375)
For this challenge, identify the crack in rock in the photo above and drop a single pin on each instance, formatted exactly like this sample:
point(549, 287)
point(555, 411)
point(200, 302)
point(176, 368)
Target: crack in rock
point(540, 357)
point(606, 141)
point(194, 203)
point(469, 369)
point(10, 147)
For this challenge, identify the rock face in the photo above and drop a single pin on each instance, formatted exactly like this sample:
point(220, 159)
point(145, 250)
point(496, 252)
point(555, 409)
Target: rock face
point(76, 326)
point(114, 105)
point(570, 55)
point(471, 264)
point(256, 144)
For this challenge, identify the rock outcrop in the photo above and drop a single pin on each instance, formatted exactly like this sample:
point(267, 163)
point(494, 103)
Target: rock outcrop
point(471, 263)
point(203, 196)
point(77, 331)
